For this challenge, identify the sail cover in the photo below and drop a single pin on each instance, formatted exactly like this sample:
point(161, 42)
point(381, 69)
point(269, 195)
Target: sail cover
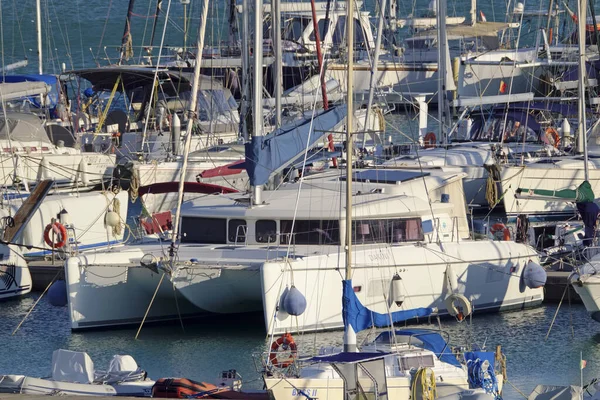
point(361, 318)
point(22, 127)
point(269, 154)
point(583, 193)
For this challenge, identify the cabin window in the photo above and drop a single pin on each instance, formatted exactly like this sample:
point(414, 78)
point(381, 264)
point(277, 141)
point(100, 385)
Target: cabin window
point(387, 231)
point(310, 232)
point(237, 231)
point(203, 230)
point(323, 29)
point(266, 231)
point(294, 28)
point(339, 34)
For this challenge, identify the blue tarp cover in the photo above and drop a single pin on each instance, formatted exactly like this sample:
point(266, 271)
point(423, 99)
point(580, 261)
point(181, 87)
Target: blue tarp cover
point(348, 357)
point(361, 318)
point(50, 80)
point(432, 341)
point(268, 154)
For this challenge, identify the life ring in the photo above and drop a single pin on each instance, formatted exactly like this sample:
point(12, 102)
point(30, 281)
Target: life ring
point(429, 140)
point(458, 306)
point(500, 227)
point(286, 341)
point(60, 233)
point(552, 135)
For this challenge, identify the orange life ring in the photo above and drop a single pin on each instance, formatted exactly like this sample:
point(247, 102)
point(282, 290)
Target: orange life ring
point(500, 227)
point(429, 140)
point(60, 233)
point(552, 134)
point(287, 342)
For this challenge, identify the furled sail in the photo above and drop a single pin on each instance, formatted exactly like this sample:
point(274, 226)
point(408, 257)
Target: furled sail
point(269, 154)
point(361, 318)
point(583, 193)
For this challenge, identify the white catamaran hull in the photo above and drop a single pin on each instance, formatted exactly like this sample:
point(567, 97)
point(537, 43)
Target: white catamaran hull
point(487, 273)
point(15, 280)
point(110, 289)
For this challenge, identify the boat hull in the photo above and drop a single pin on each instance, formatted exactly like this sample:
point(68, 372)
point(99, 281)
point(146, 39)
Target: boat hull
point(110, 289)
point(487, 273)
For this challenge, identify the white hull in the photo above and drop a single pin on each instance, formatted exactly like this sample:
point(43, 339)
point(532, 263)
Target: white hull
point(35, 386)
point(87, 229)
point(564, 174)
point(111, 289)
point(488, 274)
point(15, 280)
point(221, 286)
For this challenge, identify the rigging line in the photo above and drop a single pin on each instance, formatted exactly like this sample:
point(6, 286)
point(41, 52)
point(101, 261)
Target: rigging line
point(37, 301)
point(155, 79)
point(2, 41)
point(144, 35)
point(104, 29)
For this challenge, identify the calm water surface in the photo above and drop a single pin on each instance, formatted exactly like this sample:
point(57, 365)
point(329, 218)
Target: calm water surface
point(207, 347)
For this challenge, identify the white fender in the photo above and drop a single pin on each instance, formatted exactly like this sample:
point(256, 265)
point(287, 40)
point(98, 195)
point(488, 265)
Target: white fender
point(458, 305)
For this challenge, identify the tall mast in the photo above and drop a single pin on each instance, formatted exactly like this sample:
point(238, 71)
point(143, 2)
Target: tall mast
point(126, 49)
point(374, 67)
point(442, 55)
point(278, 70)
point(581, 129)
point(245, 71)
point(349, 334)
point(192, 114)
point(257, 82)
point(38, 28)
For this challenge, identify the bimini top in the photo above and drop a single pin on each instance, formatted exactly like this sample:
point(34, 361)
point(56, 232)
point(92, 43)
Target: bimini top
point(104, 78)
point(22, 127)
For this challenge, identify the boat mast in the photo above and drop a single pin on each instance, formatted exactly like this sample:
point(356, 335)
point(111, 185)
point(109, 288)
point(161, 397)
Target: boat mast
point(126, 40)
point(278, 70)
point(257, 82)
point(349, 334)
point(442, 55)
point(245, 107)
point(38, 28)
point(191, 118)
point(374, 68)
point(582, 137)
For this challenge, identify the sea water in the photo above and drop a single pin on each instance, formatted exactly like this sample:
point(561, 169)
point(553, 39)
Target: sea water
point(200, 350)
point(75, 33)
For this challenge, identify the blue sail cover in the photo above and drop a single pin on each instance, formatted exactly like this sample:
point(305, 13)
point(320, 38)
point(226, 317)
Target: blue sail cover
point(432, 341)
point(50, 80)
point(360, 318)
point(266, 155)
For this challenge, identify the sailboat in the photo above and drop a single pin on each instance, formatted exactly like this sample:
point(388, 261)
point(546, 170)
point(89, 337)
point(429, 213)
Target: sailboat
point(397, 365)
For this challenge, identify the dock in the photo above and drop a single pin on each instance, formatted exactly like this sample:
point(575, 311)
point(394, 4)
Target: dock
point(43, 272)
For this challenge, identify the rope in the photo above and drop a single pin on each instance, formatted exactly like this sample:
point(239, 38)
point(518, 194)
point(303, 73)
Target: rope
point(37, 301)
point(427, 387)
point(134, 185)
point(149, 306)
point(482, 377)
point(117, 229)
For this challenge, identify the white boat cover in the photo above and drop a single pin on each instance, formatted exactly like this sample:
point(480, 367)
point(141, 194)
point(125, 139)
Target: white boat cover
point(17, 90)
point(72, 366)
point(124, 363)
point(551, 392)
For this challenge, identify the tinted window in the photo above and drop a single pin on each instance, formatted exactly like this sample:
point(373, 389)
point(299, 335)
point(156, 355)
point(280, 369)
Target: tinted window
point(311, 232)
point(339, 34)
point(237, 231)
point(387, 231)
point(266, 231)
point(203, 230)
point(323, 29)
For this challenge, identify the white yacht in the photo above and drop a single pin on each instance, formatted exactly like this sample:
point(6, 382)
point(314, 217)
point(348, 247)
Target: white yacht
point(29, 156)
point(15, 279)
point(234, 258)
point(397, 364)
